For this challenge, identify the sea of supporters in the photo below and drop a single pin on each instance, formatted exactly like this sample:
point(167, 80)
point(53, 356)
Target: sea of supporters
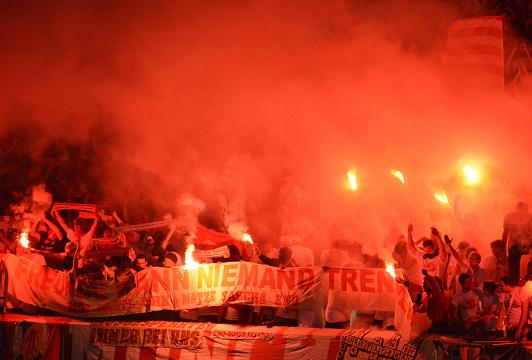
point(461, 290)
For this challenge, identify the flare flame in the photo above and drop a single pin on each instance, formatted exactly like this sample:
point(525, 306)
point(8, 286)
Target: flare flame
point(399, 175)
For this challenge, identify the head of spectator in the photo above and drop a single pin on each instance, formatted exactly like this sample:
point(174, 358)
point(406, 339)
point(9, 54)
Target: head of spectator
point(170, 260)
point(285, 255)
point(507, 284)
point(157, 256)
point(79, 228)
point(140, 262)
point(401, 254)
point(107, 233)
point(470, 250)
point(465, 281)
point(489, 288)
point(474, 260)
point(429, 247)
point(109, 268)
point(521, 207)
point(70, 248)
point(462, 247)
point(497, 248)
point(149, 244)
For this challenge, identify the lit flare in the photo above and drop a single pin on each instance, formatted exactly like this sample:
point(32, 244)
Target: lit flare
point(391, 270)
point(247, 238)
point(24, 241)
point(471, 175)
point(190, 263)
point(399, 175)
point(441, 196)
point(352, 178)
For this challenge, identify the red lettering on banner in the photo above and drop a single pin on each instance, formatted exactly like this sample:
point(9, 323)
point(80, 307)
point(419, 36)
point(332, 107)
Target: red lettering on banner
point(249, 273)
point(268, 278)
point(332, 273)
point(384, 278)
point(348, 276)
point(366, 278)
point(285, 276)
point(204, 278)
point(136, 337)
point(228, 277)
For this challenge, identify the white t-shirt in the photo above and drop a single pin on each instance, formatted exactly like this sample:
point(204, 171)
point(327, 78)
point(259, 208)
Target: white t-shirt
point(468, 304)
point(412, 272)
point(334, 258)
point(435, 266)
point(514, 308)
point(302, 255)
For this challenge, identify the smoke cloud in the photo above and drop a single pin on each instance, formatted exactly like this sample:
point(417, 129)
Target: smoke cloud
point(259, 109)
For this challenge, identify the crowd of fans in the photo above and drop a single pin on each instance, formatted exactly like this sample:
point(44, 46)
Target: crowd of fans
point(460, 290)
point(461, 293)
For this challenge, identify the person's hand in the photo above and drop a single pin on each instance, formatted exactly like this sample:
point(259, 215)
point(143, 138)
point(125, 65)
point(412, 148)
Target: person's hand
point(434, 231)
point(410, 228)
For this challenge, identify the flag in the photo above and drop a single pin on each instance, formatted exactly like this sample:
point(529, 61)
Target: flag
point(474, 50)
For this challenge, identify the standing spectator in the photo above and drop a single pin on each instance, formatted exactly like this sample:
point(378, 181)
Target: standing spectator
point(495, 264)
point(466, 305)
point(410, 268)
point(285, 316)
point(517, 237)
point(490, 306)
point(433, 257)
point(435, 304)
point(478, 276)
point(514, 311)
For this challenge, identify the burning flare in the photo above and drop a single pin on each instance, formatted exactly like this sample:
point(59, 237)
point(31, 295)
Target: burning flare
point(471, 175)
point(352, 178)
point(391, 270)
point(399, 175)
point(247, 238)
point(24, 241)
point(441, 196)
point(190, 263)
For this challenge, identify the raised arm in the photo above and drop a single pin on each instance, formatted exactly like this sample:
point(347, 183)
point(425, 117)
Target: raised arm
point(94, 226)
point(454, 253)
point(410, 240)
point(61, 221)
point(54, 228)
point(439, 242)
point(173, 228)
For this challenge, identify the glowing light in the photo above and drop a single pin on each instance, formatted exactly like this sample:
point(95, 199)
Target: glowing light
point(190, 263)
point(441, 196)
point(471, 175)
point(391, 270)
point(399, 175)
point(352, 178)
point(24, 241)
point(247, 238)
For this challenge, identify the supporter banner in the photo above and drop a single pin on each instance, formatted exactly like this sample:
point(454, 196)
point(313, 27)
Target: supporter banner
point(361, 289)
point(368, 344)
point(221, 252)
point(158, 288)
point(221, 341)
point(166, 334)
